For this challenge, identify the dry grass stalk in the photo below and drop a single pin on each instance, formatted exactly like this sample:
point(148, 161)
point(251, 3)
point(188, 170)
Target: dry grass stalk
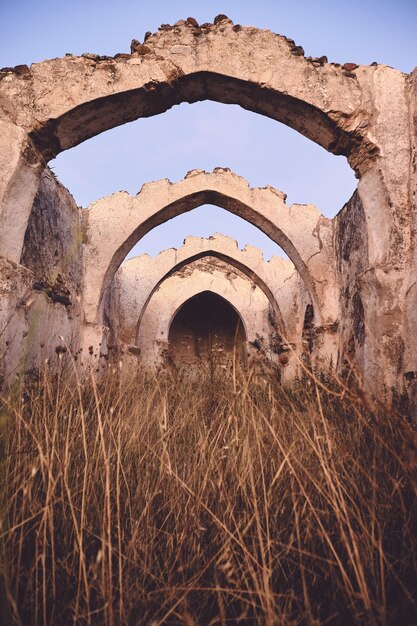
point(167, 500)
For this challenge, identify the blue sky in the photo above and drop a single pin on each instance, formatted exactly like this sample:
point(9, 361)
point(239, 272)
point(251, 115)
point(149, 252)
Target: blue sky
point(206, 135)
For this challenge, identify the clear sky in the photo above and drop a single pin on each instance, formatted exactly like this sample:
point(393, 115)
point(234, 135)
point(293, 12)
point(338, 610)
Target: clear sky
point(205, 135)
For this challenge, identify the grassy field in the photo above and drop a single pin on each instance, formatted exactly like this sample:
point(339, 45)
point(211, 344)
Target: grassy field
point(227, 500)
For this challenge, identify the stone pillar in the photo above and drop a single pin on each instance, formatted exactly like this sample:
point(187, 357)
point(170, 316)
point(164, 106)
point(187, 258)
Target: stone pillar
point(382, 284)
point(20, 170)
point(384, 195)
point(410, 300)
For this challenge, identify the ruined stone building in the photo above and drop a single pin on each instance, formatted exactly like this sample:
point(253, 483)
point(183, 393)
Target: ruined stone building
point(209, 299)
point(351, 280)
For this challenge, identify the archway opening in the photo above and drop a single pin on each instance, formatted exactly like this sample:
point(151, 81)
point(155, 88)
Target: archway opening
point(213, 255)
point(69, 115)
point(186, 196)
point(207, 329)
point(262, 150)
point(205, 221)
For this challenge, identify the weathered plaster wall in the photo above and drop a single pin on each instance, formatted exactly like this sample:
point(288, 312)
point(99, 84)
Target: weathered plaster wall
point(352, 259)
point(33, 327)
point(384, 191)
point(53, 240)
point(41, 300)
point(409, 310)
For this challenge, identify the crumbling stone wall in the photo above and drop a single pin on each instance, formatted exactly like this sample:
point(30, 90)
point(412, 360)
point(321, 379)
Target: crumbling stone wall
point(409, 310)
point(53, 243)
point(41, 299)
point(352, 261)
point(34, 327)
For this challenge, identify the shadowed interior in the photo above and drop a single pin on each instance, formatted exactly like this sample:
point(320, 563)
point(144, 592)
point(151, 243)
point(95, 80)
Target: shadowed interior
point(207, 328)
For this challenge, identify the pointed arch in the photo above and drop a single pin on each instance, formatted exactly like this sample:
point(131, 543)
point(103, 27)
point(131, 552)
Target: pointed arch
point(75, 98)
point(121, 220)
point(251, 306)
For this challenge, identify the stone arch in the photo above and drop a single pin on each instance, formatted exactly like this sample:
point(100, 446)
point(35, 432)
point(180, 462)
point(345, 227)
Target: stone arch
point(138, 278)
point(75, 98)
point(234, 263)
point(166, 301)
point(120, 220)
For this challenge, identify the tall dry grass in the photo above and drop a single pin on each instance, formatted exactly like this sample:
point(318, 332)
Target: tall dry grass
point(161, 500)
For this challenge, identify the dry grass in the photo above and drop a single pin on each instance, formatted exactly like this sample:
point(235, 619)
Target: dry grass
point(165, 501)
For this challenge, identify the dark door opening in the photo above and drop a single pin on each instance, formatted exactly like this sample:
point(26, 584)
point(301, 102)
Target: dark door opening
point(207, 328)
